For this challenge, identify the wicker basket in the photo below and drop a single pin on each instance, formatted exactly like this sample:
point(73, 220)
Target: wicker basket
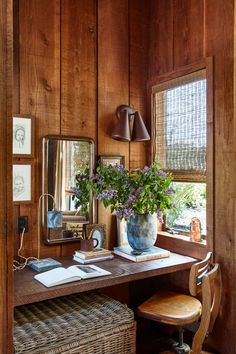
point(87, 323)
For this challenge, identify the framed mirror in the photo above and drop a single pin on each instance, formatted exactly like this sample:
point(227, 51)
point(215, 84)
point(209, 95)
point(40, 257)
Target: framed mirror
point(63, 159)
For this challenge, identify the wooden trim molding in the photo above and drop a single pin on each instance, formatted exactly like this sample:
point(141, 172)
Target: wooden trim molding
point(182, 245)
point(6, 206)
point(172, 242)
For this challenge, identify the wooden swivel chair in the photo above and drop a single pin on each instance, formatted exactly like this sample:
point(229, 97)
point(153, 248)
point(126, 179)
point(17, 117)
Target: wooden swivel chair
point(181, 310)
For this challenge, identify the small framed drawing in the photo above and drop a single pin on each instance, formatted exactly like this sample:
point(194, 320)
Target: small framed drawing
point(112, 160)
point(22, 135)
point(122, 239)
point(22, 182)
point(97, 231)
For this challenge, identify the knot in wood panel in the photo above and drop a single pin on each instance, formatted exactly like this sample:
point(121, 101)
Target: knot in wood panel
point(46, 85)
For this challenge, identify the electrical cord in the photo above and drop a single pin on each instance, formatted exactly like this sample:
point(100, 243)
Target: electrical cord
point(18, 265)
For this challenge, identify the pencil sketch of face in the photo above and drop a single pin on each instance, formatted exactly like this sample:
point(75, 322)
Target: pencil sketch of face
point(20, 135)
point(19, 185)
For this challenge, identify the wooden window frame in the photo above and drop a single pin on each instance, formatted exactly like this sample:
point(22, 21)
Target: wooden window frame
point(183, 244)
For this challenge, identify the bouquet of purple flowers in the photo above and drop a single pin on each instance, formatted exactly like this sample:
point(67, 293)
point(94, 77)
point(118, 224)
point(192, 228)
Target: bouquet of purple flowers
point(139, 191)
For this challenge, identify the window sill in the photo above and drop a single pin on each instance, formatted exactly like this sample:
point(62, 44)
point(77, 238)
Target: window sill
point(181, 244)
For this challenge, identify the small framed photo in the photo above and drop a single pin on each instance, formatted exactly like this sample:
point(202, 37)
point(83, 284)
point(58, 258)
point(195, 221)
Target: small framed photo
point(112, 160)
point(97, 231)
point(122, 239)
point(22, 182)
point(22, 135)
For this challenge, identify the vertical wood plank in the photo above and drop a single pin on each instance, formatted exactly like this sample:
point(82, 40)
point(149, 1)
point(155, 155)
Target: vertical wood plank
point(113, 85)
point(160, 37)
point(188, 31)
point(79, 68)
point(16, 63)
point(6, 237)
point(138, 49)
point(78, 74)
point(39, 29)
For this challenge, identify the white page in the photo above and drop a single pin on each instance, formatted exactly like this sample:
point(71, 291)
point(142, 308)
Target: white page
point(87, 271)
point(57, 276)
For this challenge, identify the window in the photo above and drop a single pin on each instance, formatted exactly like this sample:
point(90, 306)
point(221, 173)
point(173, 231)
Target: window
point(180, 144)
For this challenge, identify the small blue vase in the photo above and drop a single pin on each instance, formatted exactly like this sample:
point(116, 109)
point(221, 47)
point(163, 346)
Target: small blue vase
point(142, 232)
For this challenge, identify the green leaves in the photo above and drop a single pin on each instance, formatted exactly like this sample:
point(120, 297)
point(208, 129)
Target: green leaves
point(137, 191)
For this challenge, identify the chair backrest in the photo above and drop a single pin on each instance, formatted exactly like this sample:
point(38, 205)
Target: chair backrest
point(205, 278)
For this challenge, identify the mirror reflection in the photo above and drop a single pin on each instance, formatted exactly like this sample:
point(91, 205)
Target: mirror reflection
point(63, 159)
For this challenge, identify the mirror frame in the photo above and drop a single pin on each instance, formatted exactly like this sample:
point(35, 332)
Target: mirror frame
point(44, 201)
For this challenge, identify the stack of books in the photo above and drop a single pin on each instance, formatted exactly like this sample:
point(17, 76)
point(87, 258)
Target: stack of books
point(150, 254)
point(98, 254)
point(41, 265)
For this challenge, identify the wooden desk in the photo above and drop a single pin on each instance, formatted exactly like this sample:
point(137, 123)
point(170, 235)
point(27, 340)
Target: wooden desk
point(27, 290)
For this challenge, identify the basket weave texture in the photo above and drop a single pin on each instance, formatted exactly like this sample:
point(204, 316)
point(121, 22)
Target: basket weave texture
point(87, 323)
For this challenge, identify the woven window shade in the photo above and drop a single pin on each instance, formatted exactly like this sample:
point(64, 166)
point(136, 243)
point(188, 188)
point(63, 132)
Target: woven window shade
point(180, 126)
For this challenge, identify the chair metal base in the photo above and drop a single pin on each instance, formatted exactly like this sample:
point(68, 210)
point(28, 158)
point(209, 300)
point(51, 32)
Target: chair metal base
point(181, 349)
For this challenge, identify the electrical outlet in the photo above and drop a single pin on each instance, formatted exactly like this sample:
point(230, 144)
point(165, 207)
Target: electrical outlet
point(22, 222)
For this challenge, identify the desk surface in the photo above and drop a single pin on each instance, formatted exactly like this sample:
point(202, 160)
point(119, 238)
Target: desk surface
point(27, 290)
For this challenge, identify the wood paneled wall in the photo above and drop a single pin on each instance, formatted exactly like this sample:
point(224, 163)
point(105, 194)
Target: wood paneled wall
point(75, 62)
point(183, 32)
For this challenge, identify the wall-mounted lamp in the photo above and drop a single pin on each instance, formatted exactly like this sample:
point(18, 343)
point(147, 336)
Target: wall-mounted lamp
point(124, 130)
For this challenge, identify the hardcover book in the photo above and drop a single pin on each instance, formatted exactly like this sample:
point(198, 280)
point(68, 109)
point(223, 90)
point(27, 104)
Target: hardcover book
point(97, 252)
point(44, 264)
point(62, 275)
point(151, 253)
point(91, 260)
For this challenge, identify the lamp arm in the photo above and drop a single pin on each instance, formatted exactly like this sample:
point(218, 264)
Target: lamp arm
point(39, 218)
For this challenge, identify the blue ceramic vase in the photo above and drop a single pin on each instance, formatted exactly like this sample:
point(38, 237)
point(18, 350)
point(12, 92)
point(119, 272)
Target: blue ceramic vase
point(142, 231)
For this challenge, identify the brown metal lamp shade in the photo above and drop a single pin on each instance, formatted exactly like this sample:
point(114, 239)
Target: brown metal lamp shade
point(122, 130)
point(139, 132)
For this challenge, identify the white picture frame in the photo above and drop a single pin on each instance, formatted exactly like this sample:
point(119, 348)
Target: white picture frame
point(96, 231)
point(22, 138)
point(22, 182)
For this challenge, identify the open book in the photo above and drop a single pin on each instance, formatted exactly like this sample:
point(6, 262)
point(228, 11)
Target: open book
point(62, 275)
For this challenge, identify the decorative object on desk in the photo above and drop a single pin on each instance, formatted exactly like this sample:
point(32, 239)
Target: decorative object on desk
point(62, 275)
point(195, 229)
point(122, 239)
point(22, 182)
point(22, 136)
point(54, 219)
point(88, 244)
point(135, 192)
point(41, 265)
point(52, 222)
point(97, 231)
point(142, 232)
point(98, 254)
point(150, 254)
